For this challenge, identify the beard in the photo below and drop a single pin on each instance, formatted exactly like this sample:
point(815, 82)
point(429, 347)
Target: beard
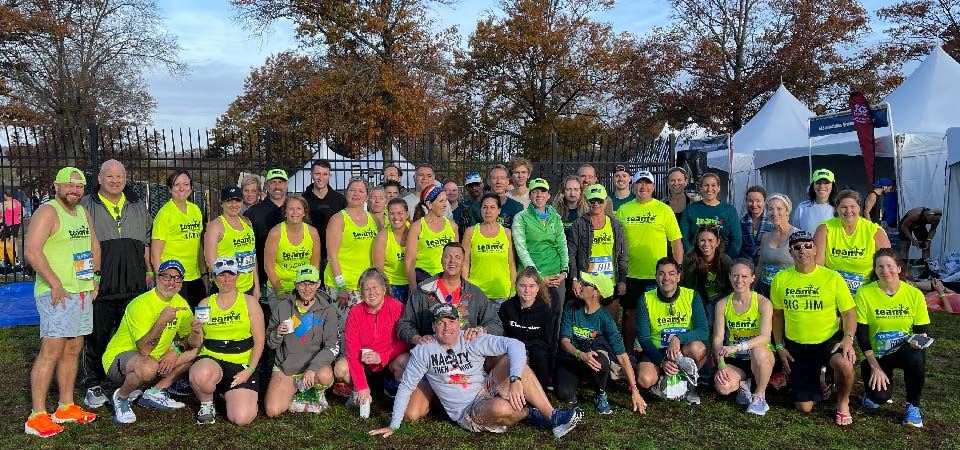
point(69, 200)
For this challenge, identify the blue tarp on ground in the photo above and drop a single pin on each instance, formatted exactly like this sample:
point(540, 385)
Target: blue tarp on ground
point(17, 306)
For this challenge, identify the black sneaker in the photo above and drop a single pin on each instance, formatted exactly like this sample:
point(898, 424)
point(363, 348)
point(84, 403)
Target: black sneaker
point(181, 388)
point(390, 387)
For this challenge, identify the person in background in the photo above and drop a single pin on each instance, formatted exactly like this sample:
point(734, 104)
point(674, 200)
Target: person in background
point(429, 232)
point(463, 213)
point(711, 211)
point(889, 312)
point(497, 179)
point(12, 218)
point(914, 231)
point(263, 217)
point(124, 229)
point(621, 184)
point(677, 196)
point(819, 208)
point(392, 189)
point(177, 232)
point(873, 203)
point(847, 242)
point(389, 249)
point(570, 202)
point(453, 197)
point(706, 269)
point(520, 172)
point(251, 192)
point(754, 223)
point(526, 317)
point(392, 173)
point(490, 253)
point(323, 202)
point(587, 174)
point(377, 205)
point(425, 177)
point(774, 246)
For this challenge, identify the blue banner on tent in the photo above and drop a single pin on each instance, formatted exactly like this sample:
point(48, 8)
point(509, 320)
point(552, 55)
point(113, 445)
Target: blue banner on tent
point(712, 144)
point(843, 123)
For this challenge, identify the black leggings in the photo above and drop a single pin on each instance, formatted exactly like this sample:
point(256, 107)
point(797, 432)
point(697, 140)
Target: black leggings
point(570, 371)
point(539, 361)
point(908, 359)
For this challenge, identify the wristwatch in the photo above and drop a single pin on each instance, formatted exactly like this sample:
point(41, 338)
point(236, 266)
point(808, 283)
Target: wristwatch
point(514, 378)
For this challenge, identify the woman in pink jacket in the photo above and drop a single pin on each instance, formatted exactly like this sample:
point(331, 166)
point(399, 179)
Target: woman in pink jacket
point(371, 341)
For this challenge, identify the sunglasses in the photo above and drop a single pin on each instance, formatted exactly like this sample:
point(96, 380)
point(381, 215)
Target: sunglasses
point(593, 201)
point(229, 264)
point(802, 246)
point(116, 210)
point(587, 283)
point(167, 277)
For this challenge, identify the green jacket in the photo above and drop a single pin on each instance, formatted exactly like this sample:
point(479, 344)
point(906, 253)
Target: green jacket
point(538, 244)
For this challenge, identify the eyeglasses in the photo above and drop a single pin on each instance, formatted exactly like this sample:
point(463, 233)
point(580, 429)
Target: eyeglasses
point(802, 246)
point(116, 210)
point(167, 278)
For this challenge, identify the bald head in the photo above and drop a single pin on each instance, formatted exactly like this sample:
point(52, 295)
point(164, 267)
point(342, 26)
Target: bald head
point(112, 178)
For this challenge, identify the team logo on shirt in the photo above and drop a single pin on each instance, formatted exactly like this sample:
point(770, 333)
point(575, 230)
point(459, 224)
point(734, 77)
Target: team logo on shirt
point(492, 247)
point(438, 242)
point(247, 239)
point(679, 319)
point(899, 311)
point(746, 324)
point(446, 363)
point(803, 299)
point(225, 319)
point(364, 234)
point(401, 255)
point(80, 232)
point(584, 333)
point(514, 324)
point(709, 221)
point(852, 252)
point(298, 254)
point(602, 239)
point(641, 219)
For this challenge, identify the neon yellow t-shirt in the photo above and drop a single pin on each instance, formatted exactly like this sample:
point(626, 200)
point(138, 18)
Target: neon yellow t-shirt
point(601, 251)
point(490, 263)
point(890, 319)
point(181, 236)
point(851, 255)
point(355, 254)
point(743, 327)
point(291, 257)
point(138, 319)
point(810, 303)
point(69, 252)
point(663, 324)
point(647, 228)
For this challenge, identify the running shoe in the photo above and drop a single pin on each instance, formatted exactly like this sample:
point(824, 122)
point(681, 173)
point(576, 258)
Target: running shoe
point(535, 417)
point(321, 402)
point(207, 414)
point(758, 406)
point(73, 413)
point(778, 380)
point(352, 400)
point(914, 417)
point(390, 387)
point(744, 393)
point(603, 404)
point(870, 404)
point(42, 425)
point(691, 397)
point(122, 412)
point(157, 399)
point(689, 368)
point(181, 388)
point(94, 397)
point(565, 420)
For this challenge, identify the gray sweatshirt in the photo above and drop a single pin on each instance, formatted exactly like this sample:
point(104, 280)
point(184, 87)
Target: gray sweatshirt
point(314, 341)
point(456, 377)
point(418, 320)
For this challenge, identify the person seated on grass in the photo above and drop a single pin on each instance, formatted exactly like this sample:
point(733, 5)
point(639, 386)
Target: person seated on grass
point(671, 329)
point(303, 332)
point(745, 356)
point(142, 348)
point(588, 338)
point(233, 342)
point(889, 311)
point(371, 341)
point(477, 401)
point(807, 335)
point(527, 318)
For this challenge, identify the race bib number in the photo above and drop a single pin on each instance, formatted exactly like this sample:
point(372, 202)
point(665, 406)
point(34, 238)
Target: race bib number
point(888, 341)
point(854, 280)
point(83, 265)
point(246, 261)
point(601, 265)
point(667, 332)
point(769, 271)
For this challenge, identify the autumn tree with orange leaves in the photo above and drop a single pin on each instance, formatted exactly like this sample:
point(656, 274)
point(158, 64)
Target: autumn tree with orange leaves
point(919, 25)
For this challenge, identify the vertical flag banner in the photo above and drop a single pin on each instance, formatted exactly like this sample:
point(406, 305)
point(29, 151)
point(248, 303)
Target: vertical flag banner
point(863, 123)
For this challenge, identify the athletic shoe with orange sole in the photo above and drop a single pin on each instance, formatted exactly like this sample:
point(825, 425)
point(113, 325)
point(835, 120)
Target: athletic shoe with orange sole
point(42, 425)
point(73, 413)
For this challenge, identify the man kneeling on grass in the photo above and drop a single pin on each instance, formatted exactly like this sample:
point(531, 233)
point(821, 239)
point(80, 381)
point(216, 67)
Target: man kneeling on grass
point(142, 349)
point(475, 400)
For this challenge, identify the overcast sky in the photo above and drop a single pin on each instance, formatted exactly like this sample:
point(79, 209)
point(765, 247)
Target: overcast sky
point(221, 53)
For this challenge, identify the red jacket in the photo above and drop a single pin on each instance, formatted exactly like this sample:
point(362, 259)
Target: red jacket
point(374, 331)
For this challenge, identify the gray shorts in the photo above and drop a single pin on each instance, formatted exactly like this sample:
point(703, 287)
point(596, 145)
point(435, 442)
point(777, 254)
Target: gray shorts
point(471, 421)
point(118, 368)
point(74, 318)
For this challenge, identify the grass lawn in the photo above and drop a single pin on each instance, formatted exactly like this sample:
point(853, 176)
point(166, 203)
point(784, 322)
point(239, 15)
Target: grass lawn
point(717, 423)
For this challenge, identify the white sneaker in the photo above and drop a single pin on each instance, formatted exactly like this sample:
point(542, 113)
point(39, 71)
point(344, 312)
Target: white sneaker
point(157, 399)
point(123, 412)
point(94, 397)
point(691, 397)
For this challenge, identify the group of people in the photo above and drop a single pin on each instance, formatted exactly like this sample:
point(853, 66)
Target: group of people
point(484, 306)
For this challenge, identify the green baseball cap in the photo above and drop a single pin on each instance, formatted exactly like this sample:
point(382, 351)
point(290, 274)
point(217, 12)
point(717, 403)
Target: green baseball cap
point(276, 173)
point(538, 183)
point(602, 283)
point(307, 272)
point(65, 175)
point(822, 174)
point(596, 191)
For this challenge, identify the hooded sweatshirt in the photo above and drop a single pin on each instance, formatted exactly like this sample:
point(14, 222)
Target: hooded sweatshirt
point(314, 340)
point(533, 326)
point(374, 331)
point(475, 308)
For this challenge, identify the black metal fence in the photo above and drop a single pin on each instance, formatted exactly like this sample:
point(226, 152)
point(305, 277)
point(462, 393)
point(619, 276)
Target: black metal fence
point(30, 158)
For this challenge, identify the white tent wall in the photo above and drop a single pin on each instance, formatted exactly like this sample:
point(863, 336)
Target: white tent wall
point(950, 228)
point(923, 179)
point(743, 175)
point(368, 167)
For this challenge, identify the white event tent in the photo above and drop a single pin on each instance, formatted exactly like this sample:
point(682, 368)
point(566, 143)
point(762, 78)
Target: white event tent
point(950, 228)
point(369, 167)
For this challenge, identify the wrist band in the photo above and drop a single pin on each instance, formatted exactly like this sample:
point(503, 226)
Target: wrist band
point(721, 363)
point(577, 354)
point(96, 278)
point(150, 274)
point(341, 283)
point(778, 346)
point(942, 295)
point(632, 388)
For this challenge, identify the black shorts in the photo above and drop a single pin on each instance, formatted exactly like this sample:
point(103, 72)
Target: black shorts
point(231, 370)
point(635, 290)
point(644, 357)
point(808, 359)
point(742, 364)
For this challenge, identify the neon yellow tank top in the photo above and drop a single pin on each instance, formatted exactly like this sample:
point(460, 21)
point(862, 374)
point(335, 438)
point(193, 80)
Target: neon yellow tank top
point(743, 327)
point(291, 257)
point(430, 246)
point(354, 255)
point(663, 324)
point(490, 263)
point(393, 266)
point(69, 253)
point(601, 252)
point(851, 255)
point(232, 324)
point(240, 245)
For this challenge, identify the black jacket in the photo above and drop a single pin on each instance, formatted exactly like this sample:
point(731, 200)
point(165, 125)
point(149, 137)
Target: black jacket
point(263, 217)
point(533, 326)
point(580, 241)
point(122, 267)
point(321, 210)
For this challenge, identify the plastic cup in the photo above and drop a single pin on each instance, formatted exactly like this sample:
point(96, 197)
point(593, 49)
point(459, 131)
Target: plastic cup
point(365, 410)
point(202, 313)
point(289, 325)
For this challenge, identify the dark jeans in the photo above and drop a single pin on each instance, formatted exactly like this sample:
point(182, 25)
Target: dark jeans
point(570, 372)
point(106, 319)
point(908, 359)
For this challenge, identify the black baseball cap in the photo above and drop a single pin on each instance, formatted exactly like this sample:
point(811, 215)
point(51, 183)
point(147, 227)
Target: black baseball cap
point(231, 193)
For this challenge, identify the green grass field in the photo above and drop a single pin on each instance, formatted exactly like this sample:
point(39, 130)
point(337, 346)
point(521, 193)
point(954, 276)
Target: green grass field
point(717, 423)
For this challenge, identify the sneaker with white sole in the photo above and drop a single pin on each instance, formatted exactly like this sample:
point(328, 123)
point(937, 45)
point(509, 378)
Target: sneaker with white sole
point(158, 399)
point(689, 368)
point(122, 410)
point(94, 398)
point(603, 404)
point(758, 406)
point(565, 420)
point(914, 417)
point(744, 393)
point(207, 414)
point(181, 388)
point(691, 397)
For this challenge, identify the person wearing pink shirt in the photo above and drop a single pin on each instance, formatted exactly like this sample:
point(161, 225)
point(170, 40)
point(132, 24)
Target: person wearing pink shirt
point(12, 217)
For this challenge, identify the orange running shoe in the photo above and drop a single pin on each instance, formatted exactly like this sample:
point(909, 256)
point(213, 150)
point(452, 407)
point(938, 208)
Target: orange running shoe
point(42, 426)
point(73, 413)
